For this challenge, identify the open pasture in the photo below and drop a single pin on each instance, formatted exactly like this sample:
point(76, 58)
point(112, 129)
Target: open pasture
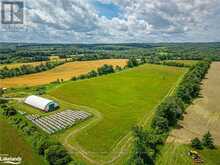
point(122, 100)
point(65, 72)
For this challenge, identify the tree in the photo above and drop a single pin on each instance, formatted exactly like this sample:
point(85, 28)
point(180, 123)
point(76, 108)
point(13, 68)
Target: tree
point(143, 60)
point(57, 155)
point(93, 73)
point(196, 143)
point(132, 62)
point(118, 68)
point(208, 140)
point(105, 69)
point(144, 148)
point(160, 124)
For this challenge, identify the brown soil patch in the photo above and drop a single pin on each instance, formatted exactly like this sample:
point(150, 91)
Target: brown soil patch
point(204, 114)
point(65, 72)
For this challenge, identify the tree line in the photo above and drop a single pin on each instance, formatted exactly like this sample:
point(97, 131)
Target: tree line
point(5, 72)
point(167, 114)
point(107, 69)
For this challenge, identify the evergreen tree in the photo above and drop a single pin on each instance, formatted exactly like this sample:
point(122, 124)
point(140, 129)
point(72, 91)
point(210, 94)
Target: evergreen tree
point(208, 140)
point(196, 143)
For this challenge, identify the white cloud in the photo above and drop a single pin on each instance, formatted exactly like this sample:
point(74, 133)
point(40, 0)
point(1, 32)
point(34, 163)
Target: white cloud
point(138, 21)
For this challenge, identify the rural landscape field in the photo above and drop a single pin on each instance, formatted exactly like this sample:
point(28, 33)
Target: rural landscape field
point(65, 72)
point(106, 105)
point(109, 82)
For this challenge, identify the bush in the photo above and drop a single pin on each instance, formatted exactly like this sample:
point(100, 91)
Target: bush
point(57, 155)
point(9, 111)
point(92, 73)
point(132, 62)
point(167, 114)
point(196, 143)
point(160, 124)
point(208, 140)
point(105, 69)
point(190, 86)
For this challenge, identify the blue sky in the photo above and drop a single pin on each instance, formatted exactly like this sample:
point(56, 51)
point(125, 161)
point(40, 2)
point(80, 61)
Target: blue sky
point(108, 10)
point(116, 21)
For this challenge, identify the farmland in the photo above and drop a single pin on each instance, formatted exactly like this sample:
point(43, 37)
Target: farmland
point(200, 117)
point(15, 65)
point(186, 62)
point(176, 154)
point(203, 114)
point(9, 138)
point(119, 101)
point(65, 72)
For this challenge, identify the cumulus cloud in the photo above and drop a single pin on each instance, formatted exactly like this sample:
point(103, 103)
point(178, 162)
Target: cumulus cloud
point(138, 21)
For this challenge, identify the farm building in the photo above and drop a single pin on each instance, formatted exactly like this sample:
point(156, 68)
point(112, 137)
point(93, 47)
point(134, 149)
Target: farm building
point(41, 103)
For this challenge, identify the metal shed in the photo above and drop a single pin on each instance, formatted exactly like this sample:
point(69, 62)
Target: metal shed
point(41, 103)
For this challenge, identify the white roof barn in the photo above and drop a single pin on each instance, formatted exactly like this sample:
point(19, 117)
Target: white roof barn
point(41, 103)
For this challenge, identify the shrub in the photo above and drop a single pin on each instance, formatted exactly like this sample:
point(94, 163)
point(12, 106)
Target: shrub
point(9, 111)
point(132, 62)
point(105, 69)
point(92, 73)
point(160, 124)
point(208, 140)
point(196, 143)
point(57, 155)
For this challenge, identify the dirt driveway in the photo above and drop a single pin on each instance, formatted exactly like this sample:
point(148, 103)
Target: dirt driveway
point(204, 114)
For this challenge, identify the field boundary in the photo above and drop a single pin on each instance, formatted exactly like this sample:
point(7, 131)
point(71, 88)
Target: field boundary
point(122, 144)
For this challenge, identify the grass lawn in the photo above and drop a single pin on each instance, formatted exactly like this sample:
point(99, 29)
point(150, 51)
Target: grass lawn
point(176, 154)
point(122, 99)
point(13, 144)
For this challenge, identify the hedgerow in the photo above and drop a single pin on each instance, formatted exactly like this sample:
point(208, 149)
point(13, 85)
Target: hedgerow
point(167, 115)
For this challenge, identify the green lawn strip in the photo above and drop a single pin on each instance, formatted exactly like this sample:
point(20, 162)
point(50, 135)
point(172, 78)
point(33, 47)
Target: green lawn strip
point(13, 142)
point(122, 87)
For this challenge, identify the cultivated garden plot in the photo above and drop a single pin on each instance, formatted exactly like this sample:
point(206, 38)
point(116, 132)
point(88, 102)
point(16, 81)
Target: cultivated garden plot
point(58, 121)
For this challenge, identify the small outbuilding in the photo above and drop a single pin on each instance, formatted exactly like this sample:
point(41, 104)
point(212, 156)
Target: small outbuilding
point(41, 103)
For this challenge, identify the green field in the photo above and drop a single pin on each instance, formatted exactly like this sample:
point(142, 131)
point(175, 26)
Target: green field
point(186, 62)
point(122, 100)
point(13, 143)
point(176, 154)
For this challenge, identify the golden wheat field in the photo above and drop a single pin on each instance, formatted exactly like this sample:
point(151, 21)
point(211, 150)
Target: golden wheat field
point(65, 72)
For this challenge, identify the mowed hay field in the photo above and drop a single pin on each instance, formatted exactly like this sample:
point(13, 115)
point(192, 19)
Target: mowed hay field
point(204, 114)
point(65, 72)
point(12, 143)
point(123, 100)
